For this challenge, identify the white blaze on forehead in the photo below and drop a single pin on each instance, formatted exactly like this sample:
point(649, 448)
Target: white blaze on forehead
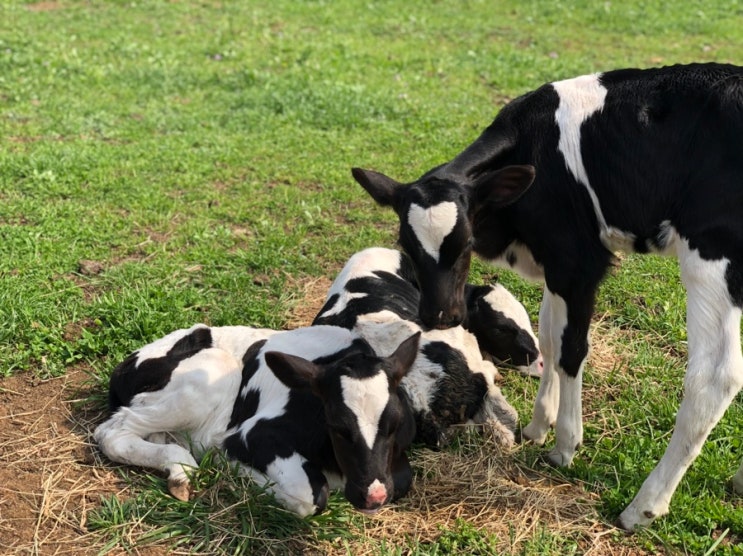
point(431, 225)
point(366, 398)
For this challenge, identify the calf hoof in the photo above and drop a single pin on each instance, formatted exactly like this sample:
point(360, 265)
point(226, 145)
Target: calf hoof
point(535, 433)
point(559, 459)
point(501, 434)
point(737, 482)
point(632, 519)
point(180, 489)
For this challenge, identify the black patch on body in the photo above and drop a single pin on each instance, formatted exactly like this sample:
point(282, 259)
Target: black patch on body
point(734, 278)
point(384, 291)
point(457, 395)
point(129, 379)
point(246, 406)
point(319, 485)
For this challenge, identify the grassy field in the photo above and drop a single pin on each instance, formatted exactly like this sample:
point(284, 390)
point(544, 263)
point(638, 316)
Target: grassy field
point(171, 162)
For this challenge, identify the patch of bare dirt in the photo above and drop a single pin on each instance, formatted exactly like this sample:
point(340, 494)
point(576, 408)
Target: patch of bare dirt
point(49, 475)
point(44, 6)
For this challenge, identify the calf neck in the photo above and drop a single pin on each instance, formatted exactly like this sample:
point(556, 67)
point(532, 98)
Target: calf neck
point(632, 160)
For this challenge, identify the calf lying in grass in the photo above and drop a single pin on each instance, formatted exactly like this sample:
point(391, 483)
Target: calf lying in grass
point(301, 411)
point(450, 383)
point(379, 280)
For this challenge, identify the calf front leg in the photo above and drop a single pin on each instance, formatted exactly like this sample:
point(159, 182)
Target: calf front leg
point(121, 444)
point(296, 483)
point(402, 476)
point(563, 335)
point(546, 403)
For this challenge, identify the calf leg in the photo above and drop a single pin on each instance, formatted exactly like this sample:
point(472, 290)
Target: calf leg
point(546, 403)
point(566, 339)
point(117, 439)
point(296, 483)
point(713, 378)
point(738, 480)
point(402, 476)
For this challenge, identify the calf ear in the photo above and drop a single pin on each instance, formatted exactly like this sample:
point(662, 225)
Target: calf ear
point(293, 371)
point(382, 188)
point(403, 357)
point(504, 186)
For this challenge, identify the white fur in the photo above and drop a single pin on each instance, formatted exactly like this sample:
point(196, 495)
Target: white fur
point(431, 225)
point(525, 264)
point(366, 398)
point(194, 401)
point(713, 378)
point(552, 321)
point(288, 482)
point(360, 265)
point(580, 98)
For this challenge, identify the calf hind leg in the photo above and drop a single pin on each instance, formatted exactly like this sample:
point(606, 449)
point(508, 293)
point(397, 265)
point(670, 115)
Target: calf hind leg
point(713, 378)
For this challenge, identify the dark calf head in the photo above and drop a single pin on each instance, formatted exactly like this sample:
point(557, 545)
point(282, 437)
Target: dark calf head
point(365, 415)
point(502, 328)
point(436, 214)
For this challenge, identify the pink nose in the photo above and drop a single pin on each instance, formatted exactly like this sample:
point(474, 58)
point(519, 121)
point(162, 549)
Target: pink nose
point(376, 494)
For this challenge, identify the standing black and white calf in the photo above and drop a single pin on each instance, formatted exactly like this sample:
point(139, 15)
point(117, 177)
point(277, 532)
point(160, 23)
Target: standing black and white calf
point(633, 160)
point(450, 383)
point(302, 411)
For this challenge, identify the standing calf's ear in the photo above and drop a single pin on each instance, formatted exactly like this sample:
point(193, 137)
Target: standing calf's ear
point(403, 357)
point(382, 188)
point(504, 186)
point(293, 371)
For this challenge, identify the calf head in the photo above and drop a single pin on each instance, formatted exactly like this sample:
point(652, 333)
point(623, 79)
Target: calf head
point(436, 216)
point(369, 424)
point(502, 328)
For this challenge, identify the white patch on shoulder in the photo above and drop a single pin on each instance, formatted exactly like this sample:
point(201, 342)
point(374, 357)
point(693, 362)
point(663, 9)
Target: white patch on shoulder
point(580, 98)
point(431, 225)
point(366, 398)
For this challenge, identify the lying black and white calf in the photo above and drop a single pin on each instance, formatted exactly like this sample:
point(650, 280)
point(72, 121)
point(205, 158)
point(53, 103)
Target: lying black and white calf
point(302, 411)
point(632, 160)
point(381, 282)
point(450, 383)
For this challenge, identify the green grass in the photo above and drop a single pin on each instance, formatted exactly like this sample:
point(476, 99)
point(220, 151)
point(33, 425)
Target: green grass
point(198, 154)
